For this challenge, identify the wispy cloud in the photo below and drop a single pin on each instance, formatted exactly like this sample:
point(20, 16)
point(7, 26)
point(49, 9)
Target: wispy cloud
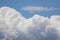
point(39, 8)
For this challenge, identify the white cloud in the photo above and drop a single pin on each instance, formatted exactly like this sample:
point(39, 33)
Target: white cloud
point(32, 9)
point(39, 8)
point(13, 26)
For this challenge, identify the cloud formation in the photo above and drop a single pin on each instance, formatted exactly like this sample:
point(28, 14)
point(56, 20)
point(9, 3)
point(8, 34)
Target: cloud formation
point(13, 26)
point(39, 8)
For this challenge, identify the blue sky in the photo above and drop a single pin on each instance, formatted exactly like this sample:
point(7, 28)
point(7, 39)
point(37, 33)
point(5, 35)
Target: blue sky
point(18, 4)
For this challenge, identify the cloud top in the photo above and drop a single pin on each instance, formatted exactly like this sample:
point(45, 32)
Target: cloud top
point(13, 26)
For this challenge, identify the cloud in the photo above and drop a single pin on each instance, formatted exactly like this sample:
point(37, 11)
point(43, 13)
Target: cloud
point(39, 8)
point(13, 26)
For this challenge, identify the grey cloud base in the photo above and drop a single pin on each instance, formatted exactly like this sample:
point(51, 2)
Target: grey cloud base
point(13, 26)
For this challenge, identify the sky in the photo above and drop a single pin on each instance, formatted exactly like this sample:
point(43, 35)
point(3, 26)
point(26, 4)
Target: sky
point(29, 19)
point(18, 4)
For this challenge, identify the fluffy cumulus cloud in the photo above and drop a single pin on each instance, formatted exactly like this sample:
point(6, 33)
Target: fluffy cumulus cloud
point(39, 8)
point(13, 26)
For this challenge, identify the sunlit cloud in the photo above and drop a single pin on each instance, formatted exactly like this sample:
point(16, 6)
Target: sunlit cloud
point(13, 26)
